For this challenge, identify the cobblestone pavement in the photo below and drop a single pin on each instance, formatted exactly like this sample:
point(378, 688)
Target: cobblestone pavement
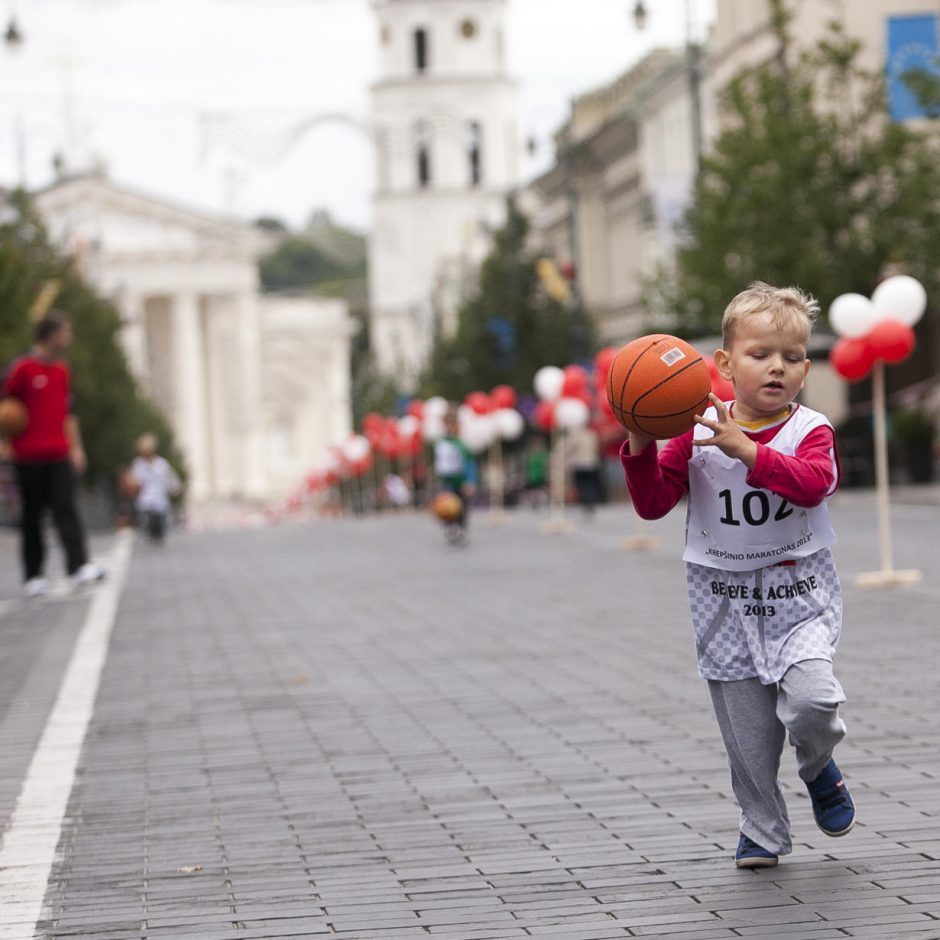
point(351, 730)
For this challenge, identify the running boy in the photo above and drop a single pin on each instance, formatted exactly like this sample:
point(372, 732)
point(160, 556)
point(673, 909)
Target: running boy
point(454, 466)
point(763, 590)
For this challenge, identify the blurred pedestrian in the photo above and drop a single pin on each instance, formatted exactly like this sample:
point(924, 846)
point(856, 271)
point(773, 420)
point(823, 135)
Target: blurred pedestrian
point(763, 589)
point(156, 483)
point(583, 453)
point(48, 455)
point(535, 473)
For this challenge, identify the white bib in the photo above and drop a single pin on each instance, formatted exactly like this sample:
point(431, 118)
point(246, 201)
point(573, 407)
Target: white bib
point(448, 459)
point(738, 527)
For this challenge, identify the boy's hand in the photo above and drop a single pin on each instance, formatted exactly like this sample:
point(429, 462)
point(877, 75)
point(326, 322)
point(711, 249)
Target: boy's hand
point(638, 442)
point(728, 437)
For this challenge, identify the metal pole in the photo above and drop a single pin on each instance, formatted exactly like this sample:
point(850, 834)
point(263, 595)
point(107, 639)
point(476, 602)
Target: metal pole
point(881, 468)
point(692, 54)
point(579, 326)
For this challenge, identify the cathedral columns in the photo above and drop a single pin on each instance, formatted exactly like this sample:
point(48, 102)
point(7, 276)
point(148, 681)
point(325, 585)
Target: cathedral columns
point(189, 392)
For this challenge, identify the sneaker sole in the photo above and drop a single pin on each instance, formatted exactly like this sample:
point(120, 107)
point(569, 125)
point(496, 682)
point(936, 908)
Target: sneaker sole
point(836, 835)
point(756, 862)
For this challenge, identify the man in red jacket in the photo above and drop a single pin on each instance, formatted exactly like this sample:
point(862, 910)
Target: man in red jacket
point(48, 454)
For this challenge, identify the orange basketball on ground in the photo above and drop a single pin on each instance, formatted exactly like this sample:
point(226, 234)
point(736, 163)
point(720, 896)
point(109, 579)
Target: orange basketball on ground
point(128, 485)
point(13, 417)
point(657, 385)
point(447, 507)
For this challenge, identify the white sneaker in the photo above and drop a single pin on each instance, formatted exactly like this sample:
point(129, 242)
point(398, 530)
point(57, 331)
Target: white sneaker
point(88, 574)
point(36, 587)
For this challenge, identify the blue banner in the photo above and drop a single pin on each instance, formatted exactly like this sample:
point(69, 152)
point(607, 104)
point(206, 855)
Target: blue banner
point(912, 44)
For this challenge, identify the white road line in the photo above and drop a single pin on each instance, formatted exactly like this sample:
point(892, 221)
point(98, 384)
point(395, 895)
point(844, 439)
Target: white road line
point(29, 844)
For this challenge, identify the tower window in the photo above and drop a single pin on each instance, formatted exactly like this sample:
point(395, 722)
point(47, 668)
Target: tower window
point(474, 155)
point(423, 153)
point(468, 29)
point(421, 49)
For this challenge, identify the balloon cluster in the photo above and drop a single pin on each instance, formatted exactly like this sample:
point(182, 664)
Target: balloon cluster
point(879, 329)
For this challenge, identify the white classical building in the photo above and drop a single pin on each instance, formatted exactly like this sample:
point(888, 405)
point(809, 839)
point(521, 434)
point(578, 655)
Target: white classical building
point(445, 117)
point(255, 387)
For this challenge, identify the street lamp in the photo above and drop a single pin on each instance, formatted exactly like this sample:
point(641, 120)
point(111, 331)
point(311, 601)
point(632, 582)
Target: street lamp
point(639, 14)
point(13, 38)
point(693, 70)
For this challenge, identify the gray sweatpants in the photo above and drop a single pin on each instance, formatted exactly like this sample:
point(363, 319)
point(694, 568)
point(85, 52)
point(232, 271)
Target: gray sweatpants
point(754, 720)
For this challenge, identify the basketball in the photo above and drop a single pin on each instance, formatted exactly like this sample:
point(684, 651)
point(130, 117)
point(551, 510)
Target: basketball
point(447, 507)
point(128, 485)
point(13, 417)
point(657, 385)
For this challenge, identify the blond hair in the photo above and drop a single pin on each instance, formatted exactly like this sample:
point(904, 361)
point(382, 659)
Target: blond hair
point(787, 307)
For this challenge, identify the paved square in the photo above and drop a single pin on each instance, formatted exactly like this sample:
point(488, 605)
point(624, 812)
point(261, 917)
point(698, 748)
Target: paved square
point(349, 729)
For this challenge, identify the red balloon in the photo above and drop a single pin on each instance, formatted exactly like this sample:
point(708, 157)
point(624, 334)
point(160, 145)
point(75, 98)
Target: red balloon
point(575, 382)
point(544, 415)
point(372, 422)
point(852, 357)
point(415, 408)
point(891, 341)
point(503, 396)
point(479, 403)
point(720, 385)
point(602, 363)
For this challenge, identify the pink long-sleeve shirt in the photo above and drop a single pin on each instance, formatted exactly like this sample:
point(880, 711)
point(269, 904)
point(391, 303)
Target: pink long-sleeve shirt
point(658, 481)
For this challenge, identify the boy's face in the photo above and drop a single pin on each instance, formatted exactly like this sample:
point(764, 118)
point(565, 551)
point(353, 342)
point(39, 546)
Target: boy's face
point(766, 364)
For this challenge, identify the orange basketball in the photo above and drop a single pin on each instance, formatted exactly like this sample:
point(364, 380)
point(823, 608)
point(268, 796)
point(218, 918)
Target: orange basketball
point(128, 485)
point(13, 417)
point(447, 506)
point(657, 385)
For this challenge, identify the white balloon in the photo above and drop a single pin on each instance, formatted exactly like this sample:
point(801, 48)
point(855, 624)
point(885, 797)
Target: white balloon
point(548, 382)
point(478, 433)
point(435, 407)
point(852, 315)
point(432, 428)
point(408, 426)
point(901, 298)
point(356, 448)
point(509, 423)
point(571, 413)
point(465, 417)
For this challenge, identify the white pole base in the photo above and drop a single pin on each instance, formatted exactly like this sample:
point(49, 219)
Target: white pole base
point(891, 578)
point(496, 517)
point(640, 543)
point(557, 527)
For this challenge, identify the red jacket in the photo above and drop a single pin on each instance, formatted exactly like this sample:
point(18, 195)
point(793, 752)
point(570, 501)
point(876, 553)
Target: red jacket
point(657, 481)
point(45, 389)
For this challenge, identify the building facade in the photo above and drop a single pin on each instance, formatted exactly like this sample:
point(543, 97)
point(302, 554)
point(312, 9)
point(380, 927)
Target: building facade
point(626, 158)
point(255, 387)
point(447, 138)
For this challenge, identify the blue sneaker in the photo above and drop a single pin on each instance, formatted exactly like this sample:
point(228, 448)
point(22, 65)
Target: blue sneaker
point(833, 806)
point(752, 855)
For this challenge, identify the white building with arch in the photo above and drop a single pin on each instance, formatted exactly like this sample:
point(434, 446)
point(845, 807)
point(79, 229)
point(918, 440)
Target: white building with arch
point(445, 117)
point(256, 387)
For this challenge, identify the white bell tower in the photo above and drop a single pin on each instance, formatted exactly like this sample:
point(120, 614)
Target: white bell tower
point(448, 146)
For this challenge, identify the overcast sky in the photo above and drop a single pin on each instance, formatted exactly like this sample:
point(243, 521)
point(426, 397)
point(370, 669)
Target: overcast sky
point(131, 80)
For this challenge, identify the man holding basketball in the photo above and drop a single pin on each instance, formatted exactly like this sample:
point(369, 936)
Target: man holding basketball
point(48, 455)
point(763, 590)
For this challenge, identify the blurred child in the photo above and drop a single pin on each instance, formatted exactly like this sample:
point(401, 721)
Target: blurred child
point(454, 466)
point(158, 482)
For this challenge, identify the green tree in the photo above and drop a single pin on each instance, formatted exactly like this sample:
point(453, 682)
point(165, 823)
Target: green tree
point(811, 184)
point(110, 407)
point(508, 328)
point(296, 263)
